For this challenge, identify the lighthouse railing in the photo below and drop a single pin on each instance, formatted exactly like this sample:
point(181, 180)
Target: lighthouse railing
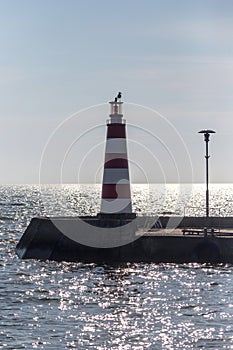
point(109, 121)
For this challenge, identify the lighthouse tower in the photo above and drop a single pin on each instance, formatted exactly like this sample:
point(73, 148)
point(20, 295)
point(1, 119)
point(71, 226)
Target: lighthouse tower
point(116, 197)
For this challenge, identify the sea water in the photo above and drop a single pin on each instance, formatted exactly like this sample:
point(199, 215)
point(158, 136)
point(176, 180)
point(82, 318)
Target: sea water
point(50, 305)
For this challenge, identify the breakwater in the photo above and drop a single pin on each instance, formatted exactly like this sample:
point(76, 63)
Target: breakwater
point(59, 239)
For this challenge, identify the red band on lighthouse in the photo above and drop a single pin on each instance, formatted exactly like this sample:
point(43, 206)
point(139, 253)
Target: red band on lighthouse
point(116, 196)
point(111, 191)
point(116, 131)
point(116, 163)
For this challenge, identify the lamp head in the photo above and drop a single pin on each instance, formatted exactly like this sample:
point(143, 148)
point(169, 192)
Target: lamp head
point(206, 131)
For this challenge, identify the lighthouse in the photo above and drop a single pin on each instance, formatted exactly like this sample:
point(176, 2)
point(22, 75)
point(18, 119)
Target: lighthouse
point(116, 195)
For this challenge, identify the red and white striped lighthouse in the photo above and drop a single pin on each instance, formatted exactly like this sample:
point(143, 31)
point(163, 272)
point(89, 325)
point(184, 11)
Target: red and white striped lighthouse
point(116, 197)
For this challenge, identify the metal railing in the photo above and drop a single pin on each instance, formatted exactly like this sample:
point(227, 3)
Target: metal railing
point(207, 227)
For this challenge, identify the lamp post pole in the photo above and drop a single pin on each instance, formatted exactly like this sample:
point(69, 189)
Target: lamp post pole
point(206, 139)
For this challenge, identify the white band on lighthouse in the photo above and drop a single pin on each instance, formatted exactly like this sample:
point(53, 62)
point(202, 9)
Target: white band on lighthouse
point(116, 196)
point(115, 175)
point(116, 145)
point(119, 206)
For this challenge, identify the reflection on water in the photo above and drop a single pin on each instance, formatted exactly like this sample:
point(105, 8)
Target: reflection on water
point(136, 306)
point(50, 305)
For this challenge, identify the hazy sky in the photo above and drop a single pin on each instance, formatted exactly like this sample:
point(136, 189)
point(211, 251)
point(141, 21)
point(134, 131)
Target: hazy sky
point(60, 56)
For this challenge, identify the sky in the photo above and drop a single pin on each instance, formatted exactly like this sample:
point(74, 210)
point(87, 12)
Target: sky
point(61, 61)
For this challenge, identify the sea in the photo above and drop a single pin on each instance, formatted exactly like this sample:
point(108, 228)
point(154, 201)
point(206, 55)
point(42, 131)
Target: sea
point(61, 305)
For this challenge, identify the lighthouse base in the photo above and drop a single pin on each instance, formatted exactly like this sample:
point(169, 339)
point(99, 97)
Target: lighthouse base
point(53, 239)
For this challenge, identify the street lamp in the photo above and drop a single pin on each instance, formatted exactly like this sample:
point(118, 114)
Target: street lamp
point(206, 139)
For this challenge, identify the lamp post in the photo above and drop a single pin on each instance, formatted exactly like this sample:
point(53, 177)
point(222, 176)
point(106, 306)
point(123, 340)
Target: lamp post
point(206, 139)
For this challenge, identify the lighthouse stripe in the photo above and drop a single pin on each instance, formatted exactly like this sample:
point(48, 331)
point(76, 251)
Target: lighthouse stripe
point(112, 156)
point(116, 163)
point(114, 175)
point(115, 191)
point(116, 131)
point(116, 206)
point(116, 146)
point(116, 196)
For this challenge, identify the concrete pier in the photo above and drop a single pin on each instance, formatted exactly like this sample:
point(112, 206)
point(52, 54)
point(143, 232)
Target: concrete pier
point(177, 240)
